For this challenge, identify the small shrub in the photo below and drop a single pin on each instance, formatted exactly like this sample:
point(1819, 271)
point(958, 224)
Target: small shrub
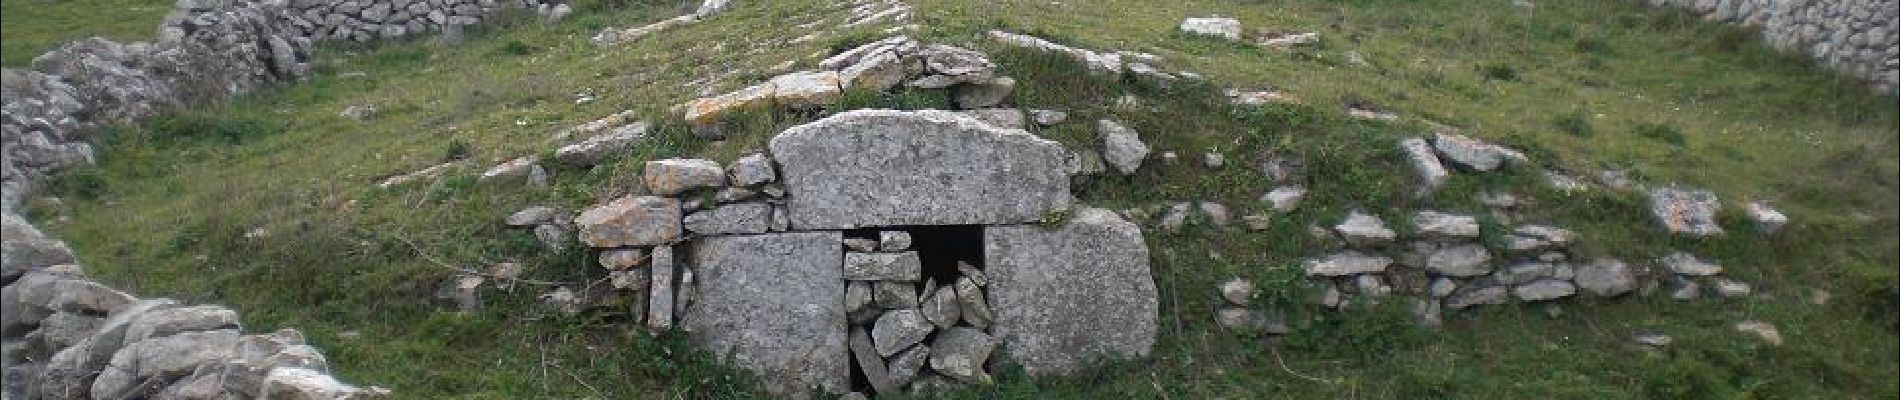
point(1575, 123)
point(456, 150)
point(1663, 132)
point(1499, 72)
point(514, 48)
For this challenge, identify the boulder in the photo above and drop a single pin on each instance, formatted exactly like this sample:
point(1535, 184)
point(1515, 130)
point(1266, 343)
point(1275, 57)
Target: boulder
point(1052, 322)
point(674, 176)
point(896, 330)
point(631, 221)
point(1228, 28)
point(972, 305)
point(774, 303)
point(730, 219)
point(1121, 147)
point(1346, 263)
point(940, 307)
point(162, 359)
point(960, 353)
point(171, 321)
point(905, 266)
point(1685, 212)
point(892, 168)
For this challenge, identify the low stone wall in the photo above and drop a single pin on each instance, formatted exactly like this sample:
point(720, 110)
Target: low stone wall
point(1860, 38)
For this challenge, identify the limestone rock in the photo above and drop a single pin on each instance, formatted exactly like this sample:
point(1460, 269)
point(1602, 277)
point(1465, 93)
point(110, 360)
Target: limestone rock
point(870, 363)
point(1686, 264)
point(807, 89)
point(1056, 323)
point(517, 168)
point(1425, 164)
point(890, 168)
point(1478, 295)
point(1238, 291)
point(984, 94)
point(1766, 218)
point(171, 321)
point(706, 112)
point(893, 241)
point(1284, 198)
point(1096, 61)
point(631, 221)
point(730, 219)
point(1606, 277)
point(1442, 225)
point(752, 170)
point(1363, 229)
point(1212, 26)
point(1763, 330)
point(673, 176)
point(1346, 263)
point(1048, 117)
point(597, 148)
point(972, 305)
point(162, 358)
point(23, 248)
point(905, 266)
point(1685, 212)
point(960, 354)
point(896, 330)
point(1122, 147)
point(906, 366)
point(1544, 289)
point(1474, 154)
point(1460, 260)
point(775, 303)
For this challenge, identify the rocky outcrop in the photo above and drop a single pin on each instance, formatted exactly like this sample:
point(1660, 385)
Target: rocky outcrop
point(65, 336)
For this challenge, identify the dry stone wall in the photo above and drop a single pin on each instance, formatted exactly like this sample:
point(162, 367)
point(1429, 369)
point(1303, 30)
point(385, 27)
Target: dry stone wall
point(1857, 37)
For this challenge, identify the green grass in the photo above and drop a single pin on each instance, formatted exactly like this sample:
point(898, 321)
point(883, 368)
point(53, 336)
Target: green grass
point(32, 27)
point(1580, 85)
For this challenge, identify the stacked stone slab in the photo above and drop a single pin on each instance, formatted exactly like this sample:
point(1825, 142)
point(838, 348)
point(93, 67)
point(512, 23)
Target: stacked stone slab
point(63, 335)
point(969, 76)
point(780, 289)
point(1860, 38)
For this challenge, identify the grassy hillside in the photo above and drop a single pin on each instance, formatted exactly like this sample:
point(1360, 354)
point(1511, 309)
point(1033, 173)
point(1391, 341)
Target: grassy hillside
point(32, 27)
point(1581, 85)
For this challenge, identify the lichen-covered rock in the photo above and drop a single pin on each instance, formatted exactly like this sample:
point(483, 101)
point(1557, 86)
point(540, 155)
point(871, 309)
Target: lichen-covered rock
point(730, 219)
point(1686, 212)
point(891, 168)
point(896, 330)
point(1121, 147)
point(775, 304)
point(752, 170)
point(960, 354)
point(1052, 322)
point(631, 221)
point(905, 266)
